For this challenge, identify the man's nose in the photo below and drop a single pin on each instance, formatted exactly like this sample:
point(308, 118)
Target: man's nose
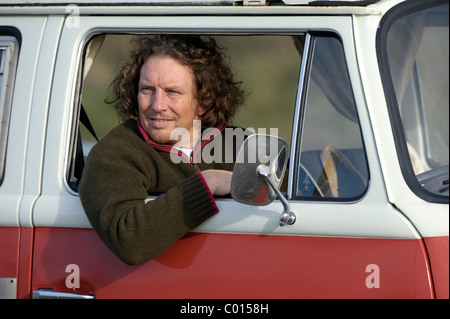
point(158, 102)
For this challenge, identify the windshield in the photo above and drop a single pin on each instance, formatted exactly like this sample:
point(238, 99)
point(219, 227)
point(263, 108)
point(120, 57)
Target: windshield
point(418, 54)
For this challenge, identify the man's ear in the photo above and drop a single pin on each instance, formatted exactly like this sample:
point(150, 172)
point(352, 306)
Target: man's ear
point(200, 111)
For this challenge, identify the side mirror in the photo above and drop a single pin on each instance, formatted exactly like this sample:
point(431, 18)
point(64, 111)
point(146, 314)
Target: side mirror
point(258, 173)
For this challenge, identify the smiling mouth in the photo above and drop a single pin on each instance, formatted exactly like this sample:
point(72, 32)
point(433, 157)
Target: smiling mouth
point(160, 123)
point(160, 120)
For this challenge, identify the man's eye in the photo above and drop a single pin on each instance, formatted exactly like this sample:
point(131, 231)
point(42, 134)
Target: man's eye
point(173, 92)
point(145, 90)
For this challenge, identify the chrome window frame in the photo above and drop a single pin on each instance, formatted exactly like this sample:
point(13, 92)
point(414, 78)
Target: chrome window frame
point(9, 52)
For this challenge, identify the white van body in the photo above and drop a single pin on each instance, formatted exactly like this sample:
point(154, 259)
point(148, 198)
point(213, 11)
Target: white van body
point(389, 240)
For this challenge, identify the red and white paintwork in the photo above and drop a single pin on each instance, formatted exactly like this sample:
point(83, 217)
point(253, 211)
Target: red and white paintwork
point(229, 266)
point(241, 252)
point(242, 266)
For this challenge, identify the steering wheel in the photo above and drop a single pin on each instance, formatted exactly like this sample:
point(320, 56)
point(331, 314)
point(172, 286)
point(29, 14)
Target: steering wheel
point(332, 158)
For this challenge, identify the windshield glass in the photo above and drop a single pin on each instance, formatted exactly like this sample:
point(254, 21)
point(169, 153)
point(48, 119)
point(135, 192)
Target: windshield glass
point(418, 53)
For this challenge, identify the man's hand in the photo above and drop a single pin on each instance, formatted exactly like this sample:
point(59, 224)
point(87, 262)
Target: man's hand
point(218, 181)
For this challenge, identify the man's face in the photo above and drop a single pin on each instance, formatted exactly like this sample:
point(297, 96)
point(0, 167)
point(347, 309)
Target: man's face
point(167, 99)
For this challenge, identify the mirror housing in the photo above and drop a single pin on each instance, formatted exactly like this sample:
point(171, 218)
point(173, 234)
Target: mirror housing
point(259, 171)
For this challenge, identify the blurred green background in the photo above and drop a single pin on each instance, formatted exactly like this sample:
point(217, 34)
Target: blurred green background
point(268, 66)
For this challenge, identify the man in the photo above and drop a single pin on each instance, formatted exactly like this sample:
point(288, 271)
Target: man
point(169, 84)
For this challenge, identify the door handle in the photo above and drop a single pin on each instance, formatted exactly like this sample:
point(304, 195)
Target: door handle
point(50, 294)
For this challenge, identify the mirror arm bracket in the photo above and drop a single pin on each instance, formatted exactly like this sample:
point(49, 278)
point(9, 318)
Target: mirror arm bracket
point(286, 217)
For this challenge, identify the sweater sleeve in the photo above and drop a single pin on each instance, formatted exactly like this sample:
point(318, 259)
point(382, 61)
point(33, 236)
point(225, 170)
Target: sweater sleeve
point(113, 192)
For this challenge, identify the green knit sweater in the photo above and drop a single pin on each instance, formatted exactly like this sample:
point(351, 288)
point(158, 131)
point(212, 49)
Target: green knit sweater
point(121, 171)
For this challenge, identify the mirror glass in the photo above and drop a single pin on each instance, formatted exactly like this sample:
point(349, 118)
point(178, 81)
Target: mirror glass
point(259, 151)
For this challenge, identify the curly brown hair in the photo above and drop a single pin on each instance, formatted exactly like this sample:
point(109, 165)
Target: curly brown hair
point(217, 92)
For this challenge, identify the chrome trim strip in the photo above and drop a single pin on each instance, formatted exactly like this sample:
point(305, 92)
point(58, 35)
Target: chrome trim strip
point(298, 115)
point(49, 294)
